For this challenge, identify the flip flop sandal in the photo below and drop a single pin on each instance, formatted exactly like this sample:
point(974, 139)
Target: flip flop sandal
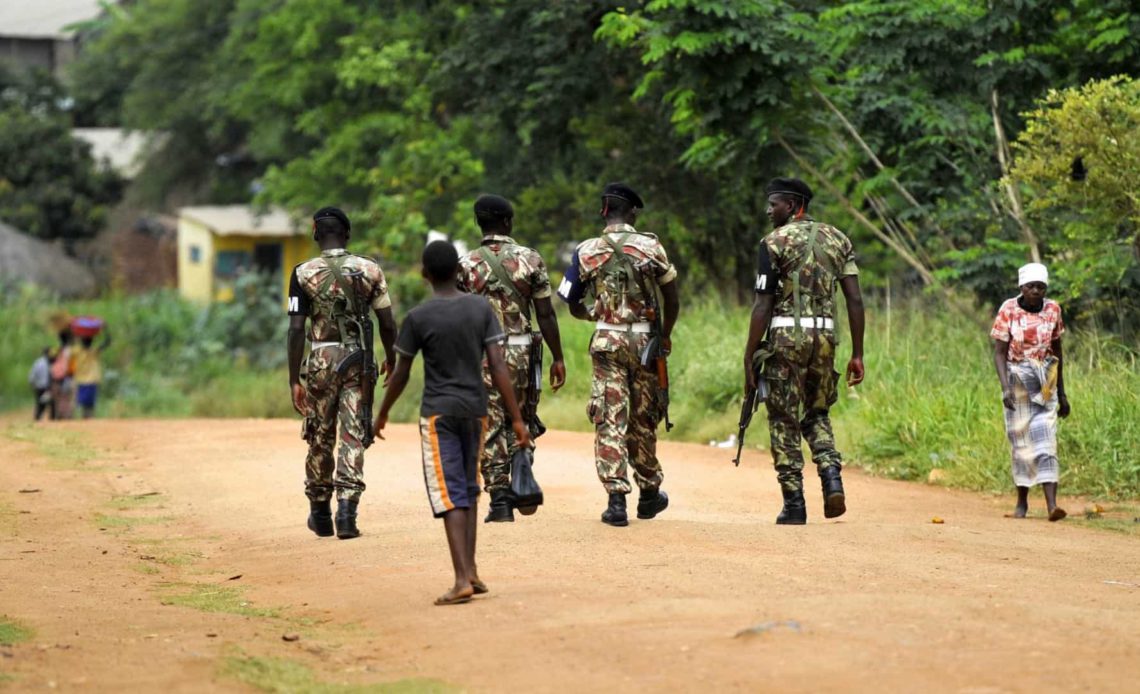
point(1057, 514)
point(457, 600)
point(480, 587)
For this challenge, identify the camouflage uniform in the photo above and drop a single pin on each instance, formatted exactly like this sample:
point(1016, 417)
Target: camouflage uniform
point(528, 273)
point(801, 371)
point(624, 405)
point(333, 397)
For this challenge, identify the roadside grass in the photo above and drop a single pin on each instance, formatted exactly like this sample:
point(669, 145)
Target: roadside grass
point(1119, 518)
point(64, 450)
point(13, 632)
point(213, 598)
point(285, 676)
point(126, 523)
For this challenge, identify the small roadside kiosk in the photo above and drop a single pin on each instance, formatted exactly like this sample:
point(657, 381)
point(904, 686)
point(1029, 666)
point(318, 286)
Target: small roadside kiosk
point(216, 244)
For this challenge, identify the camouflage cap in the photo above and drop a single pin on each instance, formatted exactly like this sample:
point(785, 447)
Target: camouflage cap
point(622, 192)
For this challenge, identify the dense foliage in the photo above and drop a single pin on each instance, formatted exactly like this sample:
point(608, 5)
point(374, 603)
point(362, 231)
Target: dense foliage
point(50, 186)
point(901, 114)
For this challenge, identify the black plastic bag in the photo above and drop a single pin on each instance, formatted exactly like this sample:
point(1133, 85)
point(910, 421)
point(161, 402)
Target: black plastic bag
point(525, 490)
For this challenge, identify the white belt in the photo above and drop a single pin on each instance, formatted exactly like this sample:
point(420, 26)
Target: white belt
point(518, 340)
point(322, 345)
point(625, 327)
point(810, 322)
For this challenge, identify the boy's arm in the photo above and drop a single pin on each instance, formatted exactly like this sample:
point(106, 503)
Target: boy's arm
point(396, 384)
point(502, 381)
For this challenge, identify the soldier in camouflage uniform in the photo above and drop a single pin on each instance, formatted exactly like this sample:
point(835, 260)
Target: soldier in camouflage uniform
point(800, 262)
point(512, 277)
point(625, 401)
point(317, 292)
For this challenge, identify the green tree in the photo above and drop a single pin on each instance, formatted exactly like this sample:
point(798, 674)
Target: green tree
point(50, 185)
point(1079, 159)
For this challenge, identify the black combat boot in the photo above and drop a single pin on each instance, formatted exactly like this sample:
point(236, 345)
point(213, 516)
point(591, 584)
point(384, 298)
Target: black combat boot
point(834, 501)
point(499, 510)
point(346, 519)
point(320, 518)
point(615, 512)
point(795, 510)
point(651, 502)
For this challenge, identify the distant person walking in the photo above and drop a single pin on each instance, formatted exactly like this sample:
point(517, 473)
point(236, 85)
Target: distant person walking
point(39, 378)
point(1030, 367)
point(89, 372)
point(62, 384)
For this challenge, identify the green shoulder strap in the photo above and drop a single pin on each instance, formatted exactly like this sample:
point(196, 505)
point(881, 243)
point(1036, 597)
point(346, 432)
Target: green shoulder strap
point(496, 262)
point(620, 258)
point(336, 274)
point(808, 257)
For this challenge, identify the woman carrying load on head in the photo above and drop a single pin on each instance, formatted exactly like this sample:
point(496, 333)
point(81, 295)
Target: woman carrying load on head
point(1027, 354)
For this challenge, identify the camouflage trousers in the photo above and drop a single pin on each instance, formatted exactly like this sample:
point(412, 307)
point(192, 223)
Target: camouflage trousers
point(499, 445)
point(333, 399)
point(625, 412)
point(804, 385)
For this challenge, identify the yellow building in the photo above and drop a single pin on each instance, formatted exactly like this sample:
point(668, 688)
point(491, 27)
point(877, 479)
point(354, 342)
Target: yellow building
point(218, 243)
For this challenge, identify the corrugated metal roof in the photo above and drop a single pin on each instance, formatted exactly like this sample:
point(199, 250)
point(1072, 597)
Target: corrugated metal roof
point(242, 220)
point(44, 18)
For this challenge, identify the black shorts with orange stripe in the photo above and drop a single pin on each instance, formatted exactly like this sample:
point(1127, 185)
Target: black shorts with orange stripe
point(452, 447)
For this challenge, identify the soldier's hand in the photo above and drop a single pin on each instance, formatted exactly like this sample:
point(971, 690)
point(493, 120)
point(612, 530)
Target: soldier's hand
point(386, 370)
point(378, 426)
point(749, 376)
point(557, 375)
point(522, 435)
point(855, 371)
point(300, 401)
point(666, 346)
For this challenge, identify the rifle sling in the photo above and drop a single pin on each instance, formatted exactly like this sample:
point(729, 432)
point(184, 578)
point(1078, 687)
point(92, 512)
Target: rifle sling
point(619, 256)
point(495, 261)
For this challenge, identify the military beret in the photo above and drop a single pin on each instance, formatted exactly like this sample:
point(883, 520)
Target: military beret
point(622, 192)
point(790, 186)
point(493, 207)
point(335, 213)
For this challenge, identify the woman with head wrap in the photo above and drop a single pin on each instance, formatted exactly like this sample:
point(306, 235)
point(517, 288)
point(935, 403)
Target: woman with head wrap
point(1027, 354)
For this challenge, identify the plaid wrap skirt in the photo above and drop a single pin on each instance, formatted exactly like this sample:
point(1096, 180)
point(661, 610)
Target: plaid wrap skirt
point(1032, 423)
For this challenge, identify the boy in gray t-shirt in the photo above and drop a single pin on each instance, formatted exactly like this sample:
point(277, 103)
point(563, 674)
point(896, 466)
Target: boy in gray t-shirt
point(453, 330)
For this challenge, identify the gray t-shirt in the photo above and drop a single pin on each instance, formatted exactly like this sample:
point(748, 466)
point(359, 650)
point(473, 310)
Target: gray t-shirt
point(452, 333)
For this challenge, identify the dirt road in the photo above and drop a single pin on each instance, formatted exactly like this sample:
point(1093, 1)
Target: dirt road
point(124, 564)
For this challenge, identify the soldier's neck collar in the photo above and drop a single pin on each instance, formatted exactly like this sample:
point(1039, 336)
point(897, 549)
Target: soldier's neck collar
point(333, 252)
point(620, 228)
point(496, 238)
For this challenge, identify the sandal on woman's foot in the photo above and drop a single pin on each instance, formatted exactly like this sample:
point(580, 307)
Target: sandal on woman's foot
point(479, 587)
point(1057, 514)
point(456, 597)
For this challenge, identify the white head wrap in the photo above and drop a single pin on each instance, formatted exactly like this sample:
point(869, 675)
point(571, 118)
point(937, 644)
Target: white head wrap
point(1033, 272)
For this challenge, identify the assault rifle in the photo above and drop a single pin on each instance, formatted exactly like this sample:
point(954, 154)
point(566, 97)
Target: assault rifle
point(363, 356)
point(534, 388)
point(654, 358)
point(752, 400)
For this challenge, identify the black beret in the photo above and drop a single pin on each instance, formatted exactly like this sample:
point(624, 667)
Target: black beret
point(622, 192)
point(335, 213)
point(493, 207)
point(790, 186)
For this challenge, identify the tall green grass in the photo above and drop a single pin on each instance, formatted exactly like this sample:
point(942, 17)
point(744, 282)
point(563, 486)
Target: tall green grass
point(930, 399)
